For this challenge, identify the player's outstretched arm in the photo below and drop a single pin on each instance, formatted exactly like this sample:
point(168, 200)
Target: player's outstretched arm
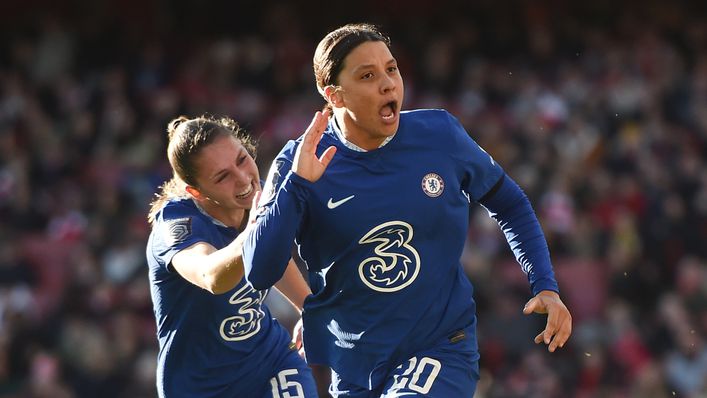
point(511, 208)
point(306, 164)
point(217, 271)
point(559, 321)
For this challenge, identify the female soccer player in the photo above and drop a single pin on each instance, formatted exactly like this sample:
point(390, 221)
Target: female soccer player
point(378, 202)
point(216, 337)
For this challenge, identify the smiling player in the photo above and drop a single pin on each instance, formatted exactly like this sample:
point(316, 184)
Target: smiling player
point(216, 337)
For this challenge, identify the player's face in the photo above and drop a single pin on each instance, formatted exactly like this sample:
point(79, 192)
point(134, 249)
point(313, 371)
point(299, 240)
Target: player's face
point(226, 173)
point(371, 94)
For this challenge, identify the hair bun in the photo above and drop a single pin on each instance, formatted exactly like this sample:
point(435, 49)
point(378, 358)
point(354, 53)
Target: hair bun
point(174, 125)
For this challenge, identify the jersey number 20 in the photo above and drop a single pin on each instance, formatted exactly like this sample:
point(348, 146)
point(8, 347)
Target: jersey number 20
point(416, 382)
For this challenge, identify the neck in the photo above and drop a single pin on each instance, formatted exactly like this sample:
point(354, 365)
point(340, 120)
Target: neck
point(355, 135)
point(230, 218)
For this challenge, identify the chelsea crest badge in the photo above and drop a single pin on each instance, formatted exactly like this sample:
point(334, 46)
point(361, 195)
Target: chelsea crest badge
point(432, 185)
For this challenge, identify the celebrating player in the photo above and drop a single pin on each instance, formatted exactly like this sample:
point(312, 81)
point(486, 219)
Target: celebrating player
point(216, 337)
point(378, 202)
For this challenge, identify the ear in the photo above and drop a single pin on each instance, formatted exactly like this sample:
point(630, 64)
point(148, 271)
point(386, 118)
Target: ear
point(195, 193)
point(333, 95)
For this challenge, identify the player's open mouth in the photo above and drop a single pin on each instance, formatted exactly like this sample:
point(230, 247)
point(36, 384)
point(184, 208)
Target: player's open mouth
point(245, 193)
point(389, 111)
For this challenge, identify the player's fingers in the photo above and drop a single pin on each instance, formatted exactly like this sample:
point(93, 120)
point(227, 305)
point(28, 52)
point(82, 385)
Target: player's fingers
point(531, 305)
point(311, 128)
point(321, 124)
point(327, 156)
point(308, 140)
point(256, 199)
point(551, 327)
point(254, 207)
point(297, 333)
point(554, 344)
point(539, 338)
point(560, 338)
point(557, 342)
point(564, 333)
point(315, 130)
point(559, 321)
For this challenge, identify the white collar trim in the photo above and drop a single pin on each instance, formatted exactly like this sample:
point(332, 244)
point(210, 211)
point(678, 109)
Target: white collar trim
point(351, 145)
point(213, 220)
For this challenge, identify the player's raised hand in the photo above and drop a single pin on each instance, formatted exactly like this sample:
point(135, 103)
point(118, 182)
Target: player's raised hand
point(297, 338)
point(306, 164)
point(253, 212)
point(559, 321)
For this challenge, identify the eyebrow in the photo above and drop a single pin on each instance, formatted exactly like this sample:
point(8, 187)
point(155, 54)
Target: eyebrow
point(218, 175)
point(368, 66)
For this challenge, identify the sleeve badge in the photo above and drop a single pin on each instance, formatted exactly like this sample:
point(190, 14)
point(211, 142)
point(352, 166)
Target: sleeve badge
point(178, 230)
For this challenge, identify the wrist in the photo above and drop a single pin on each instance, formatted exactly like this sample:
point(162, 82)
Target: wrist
point(548, 293)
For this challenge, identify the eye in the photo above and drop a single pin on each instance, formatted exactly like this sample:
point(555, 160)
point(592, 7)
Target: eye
point(241, 159)
point(392, 69)
point(367, 76)
point(222, 177)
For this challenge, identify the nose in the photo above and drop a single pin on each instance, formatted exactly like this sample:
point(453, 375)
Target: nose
point(242, 176)
point(387, 84)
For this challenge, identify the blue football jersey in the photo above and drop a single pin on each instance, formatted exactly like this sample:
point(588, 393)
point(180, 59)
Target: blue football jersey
point(382, 233)
point(209, 345)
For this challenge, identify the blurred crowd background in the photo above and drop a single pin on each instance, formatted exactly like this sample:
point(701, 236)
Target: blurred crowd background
point(598, 109)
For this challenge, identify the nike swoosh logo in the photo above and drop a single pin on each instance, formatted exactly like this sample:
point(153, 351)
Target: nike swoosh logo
point(333, 205)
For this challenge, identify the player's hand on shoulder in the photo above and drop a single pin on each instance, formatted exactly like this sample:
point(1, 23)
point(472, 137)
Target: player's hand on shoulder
point(559, 320)
point(297, 338)
point(306, 164)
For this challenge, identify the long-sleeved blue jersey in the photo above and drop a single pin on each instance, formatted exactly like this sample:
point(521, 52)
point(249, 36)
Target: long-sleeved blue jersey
point(209, 345)
point(382, 233)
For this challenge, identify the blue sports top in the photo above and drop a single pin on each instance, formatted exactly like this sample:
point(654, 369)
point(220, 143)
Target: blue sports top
point(209, 345)
point(382, 233)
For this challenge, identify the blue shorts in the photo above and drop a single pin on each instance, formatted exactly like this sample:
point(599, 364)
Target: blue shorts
point(292, 378)
point(449, 369)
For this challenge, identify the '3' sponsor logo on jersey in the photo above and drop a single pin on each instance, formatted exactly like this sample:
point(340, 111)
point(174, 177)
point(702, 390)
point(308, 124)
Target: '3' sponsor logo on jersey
point(395, 263)
point(247, 322)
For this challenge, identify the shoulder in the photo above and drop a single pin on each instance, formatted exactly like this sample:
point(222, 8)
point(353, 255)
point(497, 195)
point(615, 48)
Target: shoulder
point(425, 115)
point(178, 208)
point(433, 120)
point(436, 125)
point(177, 214)
point(179, 221)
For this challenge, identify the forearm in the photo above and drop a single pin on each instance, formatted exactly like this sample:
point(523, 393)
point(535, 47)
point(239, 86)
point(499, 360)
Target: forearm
point(225, 267)
point(266, 250)
point(510, 207)
point(293, 286)
point(216, 271)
